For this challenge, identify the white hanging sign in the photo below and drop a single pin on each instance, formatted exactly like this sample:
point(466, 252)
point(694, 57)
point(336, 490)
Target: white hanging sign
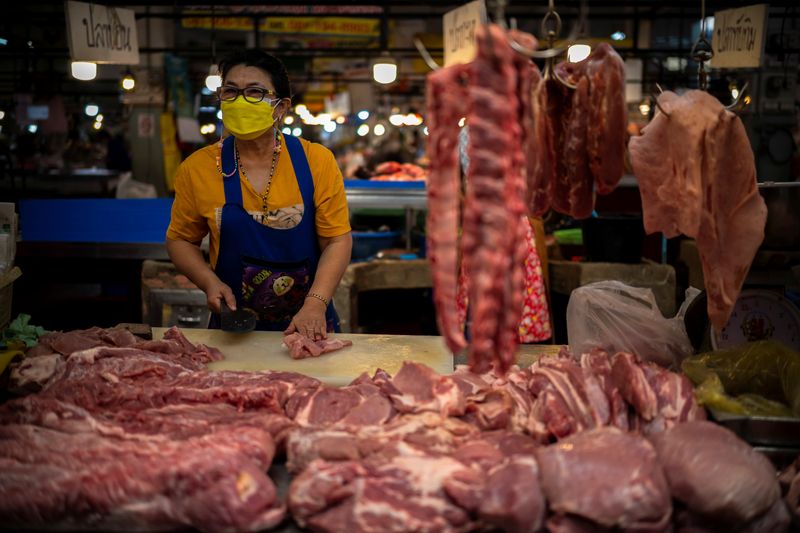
point(738, 38)
point(101, 34)
point(460, 25)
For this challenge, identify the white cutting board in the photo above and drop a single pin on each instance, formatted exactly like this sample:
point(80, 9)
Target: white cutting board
point(262, 350)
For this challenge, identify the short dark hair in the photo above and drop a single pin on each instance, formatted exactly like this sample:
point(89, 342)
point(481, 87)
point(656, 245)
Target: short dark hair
point(253, 57)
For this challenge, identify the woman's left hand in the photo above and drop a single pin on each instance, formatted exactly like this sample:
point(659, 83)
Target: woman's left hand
point(310, 321)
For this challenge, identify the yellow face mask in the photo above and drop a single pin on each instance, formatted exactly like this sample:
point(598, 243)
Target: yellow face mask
point(247, 121)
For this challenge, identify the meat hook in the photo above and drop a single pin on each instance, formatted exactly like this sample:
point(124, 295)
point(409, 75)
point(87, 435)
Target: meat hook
point(551, 26)
point(426, 56)
point(655, 101)
point(702, 50)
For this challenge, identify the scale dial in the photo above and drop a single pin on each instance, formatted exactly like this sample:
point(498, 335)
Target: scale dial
point(760, 315)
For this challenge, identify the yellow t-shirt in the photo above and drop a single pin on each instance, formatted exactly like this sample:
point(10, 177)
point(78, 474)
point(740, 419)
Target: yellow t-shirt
point(199, 197)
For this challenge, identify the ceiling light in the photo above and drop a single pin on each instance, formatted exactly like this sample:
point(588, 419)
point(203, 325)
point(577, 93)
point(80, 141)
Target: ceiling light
point(340, 119)
point(288, 120)
point(363, 114)
point(211, 128)
point(644, 108)
point(397, 120)
point(618, 36)
point(2, 115)
point(300, 109)
point(213, 80)
point(98, 125)
point(412, 119)
point(675, 64)
point(362, 130)
point(219, 114)
point(99, 118)
point(91, 110)
point(286, 131)
point(128, 82)
point(83, 70)
point(384, 70)
point(330, 127)
point(33, 128)
point(379, 129)
point(578, 52)
point(425, 130)
point(734, 89)
point(297, 132)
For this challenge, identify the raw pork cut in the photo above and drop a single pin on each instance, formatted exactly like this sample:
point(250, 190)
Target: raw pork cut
point(511, 498)
point(542, 176)
point(447, 104)
point(46, 361)
point(580, 133)
point(417, 388)
point(77, 480)
point(567, 399)
point(400, 490)
point(301, 346)
point(630, 377)
point(494, 203)
point(246, 390)
point(716, 475)
point(697, 176)
point(573, 192)
point(425, 431)
point(175, 421)
point(608, 477)
point(675, 399)
point(356, 405)
point(598, 363)
point(607, 117)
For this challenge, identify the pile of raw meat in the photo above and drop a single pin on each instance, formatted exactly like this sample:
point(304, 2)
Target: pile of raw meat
point(128, 434)
point(533, 144)
point(394, 171)
point(697, 176)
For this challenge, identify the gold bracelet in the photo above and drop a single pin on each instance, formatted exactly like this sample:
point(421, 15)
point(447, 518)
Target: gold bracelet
point(318, 297)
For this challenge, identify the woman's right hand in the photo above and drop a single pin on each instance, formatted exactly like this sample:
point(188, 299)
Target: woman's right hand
point(217, 290)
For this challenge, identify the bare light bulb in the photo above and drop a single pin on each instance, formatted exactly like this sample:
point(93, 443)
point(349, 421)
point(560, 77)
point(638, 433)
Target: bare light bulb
point(83, 70)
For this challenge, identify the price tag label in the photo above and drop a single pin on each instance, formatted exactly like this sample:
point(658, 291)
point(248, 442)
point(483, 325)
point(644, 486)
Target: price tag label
point(459, 32)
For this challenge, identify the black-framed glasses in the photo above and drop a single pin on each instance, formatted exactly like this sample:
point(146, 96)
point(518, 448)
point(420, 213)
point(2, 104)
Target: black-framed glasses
point(227, 93)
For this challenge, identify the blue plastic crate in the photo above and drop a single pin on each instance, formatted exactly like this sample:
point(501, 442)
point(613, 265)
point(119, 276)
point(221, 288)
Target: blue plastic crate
point(368, 243)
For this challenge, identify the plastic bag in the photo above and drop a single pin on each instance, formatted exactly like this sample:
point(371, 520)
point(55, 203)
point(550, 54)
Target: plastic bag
point(756, 379)
point(616, 317)
point(130, 188)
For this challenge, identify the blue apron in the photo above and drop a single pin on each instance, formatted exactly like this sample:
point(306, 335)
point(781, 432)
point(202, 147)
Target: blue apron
point(269, 270)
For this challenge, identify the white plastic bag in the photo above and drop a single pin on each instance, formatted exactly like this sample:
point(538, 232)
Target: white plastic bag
point(130, 188)
point(616, 317)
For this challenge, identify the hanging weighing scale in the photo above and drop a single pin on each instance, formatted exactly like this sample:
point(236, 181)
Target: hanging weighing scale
point(760, 315)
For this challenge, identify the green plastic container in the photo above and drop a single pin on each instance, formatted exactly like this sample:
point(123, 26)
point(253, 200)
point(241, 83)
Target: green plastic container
point(573, 236)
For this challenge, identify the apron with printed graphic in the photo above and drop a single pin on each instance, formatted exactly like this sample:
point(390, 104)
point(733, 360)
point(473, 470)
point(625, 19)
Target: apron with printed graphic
point(269, 270)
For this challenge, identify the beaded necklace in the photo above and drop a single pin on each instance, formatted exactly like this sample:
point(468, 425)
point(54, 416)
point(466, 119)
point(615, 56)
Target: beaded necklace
point(275, 152)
